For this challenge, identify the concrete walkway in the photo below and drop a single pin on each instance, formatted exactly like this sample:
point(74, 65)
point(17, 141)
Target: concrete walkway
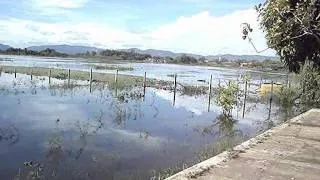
point(290, 151)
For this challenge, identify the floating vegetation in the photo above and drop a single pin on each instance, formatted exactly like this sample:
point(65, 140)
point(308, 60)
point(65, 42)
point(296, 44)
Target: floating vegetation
point(61, 75)
point(33, 170)
point(119, 68)
point(194, 90)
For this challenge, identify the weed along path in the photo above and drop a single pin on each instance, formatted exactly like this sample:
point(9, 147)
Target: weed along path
point(288, 151)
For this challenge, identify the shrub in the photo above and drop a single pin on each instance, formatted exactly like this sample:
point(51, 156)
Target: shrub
point(227, 97)
point(310, 86)
point(286, 96)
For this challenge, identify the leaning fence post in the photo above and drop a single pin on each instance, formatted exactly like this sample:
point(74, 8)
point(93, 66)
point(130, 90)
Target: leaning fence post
point(49, 76)
point(144, 84)
point(175, 89)
point(90, 80)
point(210, 92)
point(245, 98)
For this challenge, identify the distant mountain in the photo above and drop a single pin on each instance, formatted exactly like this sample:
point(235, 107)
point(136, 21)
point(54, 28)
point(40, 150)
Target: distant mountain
point(67, 49)
point(4, 47)
point(70, 49)
point(160, 53)
point(232, 57)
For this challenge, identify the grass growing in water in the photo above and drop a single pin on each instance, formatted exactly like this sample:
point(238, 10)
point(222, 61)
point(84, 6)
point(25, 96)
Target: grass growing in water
point(100, 67)
point(124, 81)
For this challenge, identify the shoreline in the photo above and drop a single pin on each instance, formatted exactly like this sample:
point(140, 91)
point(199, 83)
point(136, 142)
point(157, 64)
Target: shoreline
point(113, 60)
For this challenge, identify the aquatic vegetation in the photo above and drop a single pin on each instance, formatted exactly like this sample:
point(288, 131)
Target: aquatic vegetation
point(119, 68)
point(61, 75)
point(221, 145)
point(144, 134)
point(227, 97)
point(33, 170)
point(9, 134)
point(194, 90)
point(286, 97)
point(206, 152)
point(122, 111)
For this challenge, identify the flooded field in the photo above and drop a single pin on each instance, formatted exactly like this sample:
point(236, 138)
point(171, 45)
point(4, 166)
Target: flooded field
point(190, 75)
point(62, 131)
point(68, 129)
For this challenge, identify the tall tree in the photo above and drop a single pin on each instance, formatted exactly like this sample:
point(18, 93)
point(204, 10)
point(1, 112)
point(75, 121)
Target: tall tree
point(292, 28)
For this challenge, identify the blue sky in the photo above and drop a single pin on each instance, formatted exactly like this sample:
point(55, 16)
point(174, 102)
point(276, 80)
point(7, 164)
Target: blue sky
point(197, 26)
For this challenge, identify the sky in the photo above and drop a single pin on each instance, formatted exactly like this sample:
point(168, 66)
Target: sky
point(206, 27)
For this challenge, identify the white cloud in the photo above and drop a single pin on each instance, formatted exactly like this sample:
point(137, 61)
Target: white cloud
point(67, 4)
point(201, 33)
point(208, 34)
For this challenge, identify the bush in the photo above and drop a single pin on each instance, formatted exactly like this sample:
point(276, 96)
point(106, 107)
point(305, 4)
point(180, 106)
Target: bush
point(286, 96)
point(227, 97)
point(310, 86)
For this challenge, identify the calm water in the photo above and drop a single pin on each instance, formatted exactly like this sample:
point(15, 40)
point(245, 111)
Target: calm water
point(107, 134)
point(186, 74)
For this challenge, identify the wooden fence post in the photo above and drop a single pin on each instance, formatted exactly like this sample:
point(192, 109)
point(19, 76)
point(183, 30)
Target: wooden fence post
point(15, 73)
point(210, 92)
point(31, 75)
point(144, 85)
point(69, 74)
point(91, 76)
point(175, 89)
point(116, 76)
point(245, 98)
point(49, 76)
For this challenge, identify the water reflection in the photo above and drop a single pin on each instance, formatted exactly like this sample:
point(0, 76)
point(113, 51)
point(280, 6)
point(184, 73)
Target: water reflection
point(9, 134)
point(69, 133)
point(224, 125)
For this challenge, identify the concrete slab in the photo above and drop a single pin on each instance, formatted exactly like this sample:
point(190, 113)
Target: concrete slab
point(289, 151)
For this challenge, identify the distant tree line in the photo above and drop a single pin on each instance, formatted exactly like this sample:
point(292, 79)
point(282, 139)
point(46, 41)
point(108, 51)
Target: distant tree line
point(124, 55)
point(135, 56)
point(132, 55)
point(27, 52)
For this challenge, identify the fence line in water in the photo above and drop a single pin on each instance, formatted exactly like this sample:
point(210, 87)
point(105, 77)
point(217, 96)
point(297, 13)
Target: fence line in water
point(175, 83)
